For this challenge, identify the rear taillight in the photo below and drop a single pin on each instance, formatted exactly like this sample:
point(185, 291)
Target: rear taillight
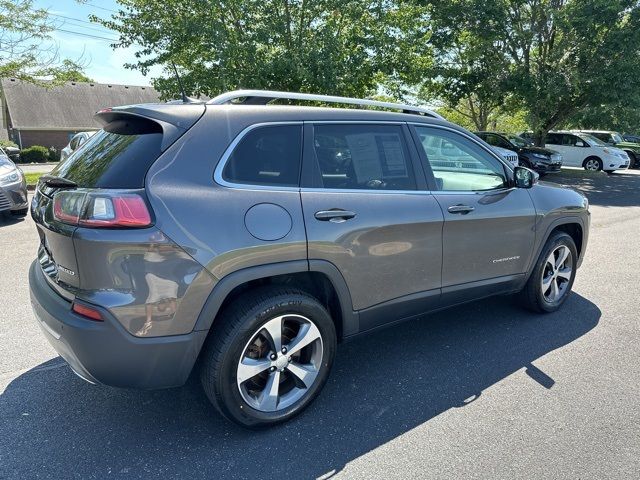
point(87, 311)
point(101, 209)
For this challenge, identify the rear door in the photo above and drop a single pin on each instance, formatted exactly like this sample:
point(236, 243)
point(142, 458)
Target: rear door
point(489, 226)
point(368, 212)
point(572, 156)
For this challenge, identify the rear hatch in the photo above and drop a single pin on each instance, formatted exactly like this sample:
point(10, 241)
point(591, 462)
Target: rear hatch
point(102, 184)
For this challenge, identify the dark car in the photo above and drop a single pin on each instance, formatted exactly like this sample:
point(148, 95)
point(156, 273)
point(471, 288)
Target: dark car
point(246, 240)
point(631, 138)
point(539, 159)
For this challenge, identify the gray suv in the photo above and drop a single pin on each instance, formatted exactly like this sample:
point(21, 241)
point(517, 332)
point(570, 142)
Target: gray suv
point(244, 240)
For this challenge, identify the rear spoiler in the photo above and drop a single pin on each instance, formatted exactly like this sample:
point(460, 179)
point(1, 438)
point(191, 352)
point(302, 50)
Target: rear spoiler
point(175, 120)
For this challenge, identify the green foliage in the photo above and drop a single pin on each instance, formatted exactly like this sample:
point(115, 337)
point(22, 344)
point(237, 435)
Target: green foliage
point(322, 46)
point(26, 51)
point(53, 154)
point(70, 72)
point(7, 143)
point(553, 58)
point(34, 154)
point(513, 121)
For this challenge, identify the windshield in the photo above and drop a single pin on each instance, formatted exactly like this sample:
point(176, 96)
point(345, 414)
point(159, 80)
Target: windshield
point(519, 141)
point(592, 140)
point(617, 138)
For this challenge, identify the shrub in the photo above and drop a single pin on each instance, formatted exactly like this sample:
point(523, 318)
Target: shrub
point(7, 143)
point(54, 154)
point(35, 154)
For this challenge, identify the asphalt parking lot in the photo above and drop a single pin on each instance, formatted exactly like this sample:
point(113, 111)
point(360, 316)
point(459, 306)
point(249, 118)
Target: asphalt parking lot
point(486, 390)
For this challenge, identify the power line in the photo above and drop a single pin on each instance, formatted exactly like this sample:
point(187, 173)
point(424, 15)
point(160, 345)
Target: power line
point(102, 30)
point(85, 35)
point(101, 8)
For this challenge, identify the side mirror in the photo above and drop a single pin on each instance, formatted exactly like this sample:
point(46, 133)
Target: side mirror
point(524, 177)
point(579, 144)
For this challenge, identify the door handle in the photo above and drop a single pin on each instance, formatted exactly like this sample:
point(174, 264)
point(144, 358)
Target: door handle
point(461, 209)
point(335, 215)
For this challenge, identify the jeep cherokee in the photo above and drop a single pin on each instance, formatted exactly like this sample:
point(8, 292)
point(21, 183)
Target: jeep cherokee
point(247, 239)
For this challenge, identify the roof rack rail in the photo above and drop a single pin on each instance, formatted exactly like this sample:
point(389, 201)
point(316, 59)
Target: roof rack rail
point(263, 97)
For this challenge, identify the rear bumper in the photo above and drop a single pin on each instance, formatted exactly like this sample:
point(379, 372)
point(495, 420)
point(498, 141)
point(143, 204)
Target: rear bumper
point(104, 352)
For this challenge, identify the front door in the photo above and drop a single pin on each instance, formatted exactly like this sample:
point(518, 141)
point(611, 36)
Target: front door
point(488, 233)
point(367, 212)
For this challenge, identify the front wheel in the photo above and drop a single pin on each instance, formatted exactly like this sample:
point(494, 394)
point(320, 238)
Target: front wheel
point(268, 356)
point(552, 276)
point(592, 164)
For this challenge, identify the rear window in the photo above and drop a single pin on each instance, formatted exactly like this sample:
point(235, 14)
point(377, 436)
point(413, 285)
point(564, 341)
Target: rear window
point(269, 155)
point(118, 156)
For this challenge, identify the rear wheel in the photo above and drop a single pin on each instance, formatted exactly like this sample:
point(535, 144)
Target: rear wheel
point(592, 164)
point(269, 356)
point(553, 275)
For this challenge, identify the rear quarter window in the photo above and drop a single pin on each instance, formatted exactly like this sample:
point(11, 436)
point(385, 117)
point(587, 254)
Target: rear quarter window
point(267, 155)
point(118, 156)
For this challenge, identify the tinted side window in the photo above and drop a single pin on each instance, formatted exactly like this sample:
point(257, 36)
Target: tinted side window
point(459, 164)
point(497, 141)
point(269, 155)
point(363, 157)
point(554, 139)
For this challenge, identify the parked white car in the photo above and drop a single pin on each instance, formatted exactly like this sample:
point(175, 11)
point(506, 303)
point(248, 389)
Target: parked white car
point(509, 155)
point(584, 150)
point(76, 142)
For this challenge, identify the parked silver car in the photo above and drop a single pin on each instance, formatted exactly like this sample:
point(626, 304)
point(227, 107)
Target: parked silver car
point(75, 143)
point(13, 187)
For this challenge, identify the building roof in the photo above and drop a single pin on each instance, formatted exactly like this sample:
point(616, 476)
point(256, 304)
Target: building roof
point(67, 107)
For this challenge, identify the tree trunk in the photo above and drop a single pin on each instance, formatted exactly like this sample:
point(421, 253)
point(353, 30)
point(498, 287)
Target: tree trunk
point(540, 137)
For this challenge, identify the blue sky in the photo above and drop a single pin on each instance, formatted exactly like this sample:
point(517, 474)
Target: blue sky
point(103, 64)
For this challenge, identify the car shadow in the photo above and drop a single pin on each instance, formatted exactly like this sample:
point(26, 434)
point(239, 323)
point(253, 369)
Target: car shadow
point(55, 425)
point(619, 189)
point(7, 219)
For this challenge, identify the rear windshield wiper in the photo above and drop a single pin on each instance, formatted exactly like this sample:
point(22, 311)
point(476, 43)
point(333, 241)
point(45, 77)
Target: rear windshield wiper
point(57, 182)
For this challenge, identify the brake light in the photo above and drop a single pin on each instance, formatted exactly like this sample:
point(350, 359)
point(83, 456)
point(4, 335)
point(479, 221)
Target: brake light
point(101, 209)
point(86, 311)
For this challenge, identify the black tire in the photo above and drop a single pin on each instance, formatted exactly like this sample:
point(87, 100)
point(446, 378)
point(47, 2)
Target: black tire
point(596, 160)
point(20, 213)
point(532, 297)
point(633, 160)
point(227, 342)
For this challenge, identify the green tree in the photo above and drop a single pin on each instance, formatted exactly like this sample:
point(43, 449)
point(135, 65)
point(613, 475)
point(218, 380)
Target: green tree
point(325, 46)
point(25, 50)
point(468, 74)
point(562, 56)
point(70, 72)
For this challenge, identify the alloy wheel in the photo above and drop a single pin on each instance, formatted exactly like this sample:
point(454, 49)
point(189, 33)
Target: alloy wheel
point(280, 363)
point(556, 274)
point(592, 165)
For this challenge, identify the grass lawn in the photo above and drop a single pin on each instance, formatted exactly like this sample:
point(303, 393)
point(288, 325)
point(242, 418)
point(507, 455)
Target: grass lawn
point(32, 178)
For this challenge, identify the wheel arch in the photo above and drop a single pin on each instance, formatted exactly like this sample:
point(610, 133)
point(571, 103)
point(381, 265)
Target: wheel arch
point(319, 278)
point(596, 157)
point(573, 226)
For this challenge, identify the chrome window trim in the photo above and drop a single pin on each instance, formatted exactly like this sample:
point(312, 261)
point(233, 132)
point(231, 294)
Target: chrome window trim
point(217, 174)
